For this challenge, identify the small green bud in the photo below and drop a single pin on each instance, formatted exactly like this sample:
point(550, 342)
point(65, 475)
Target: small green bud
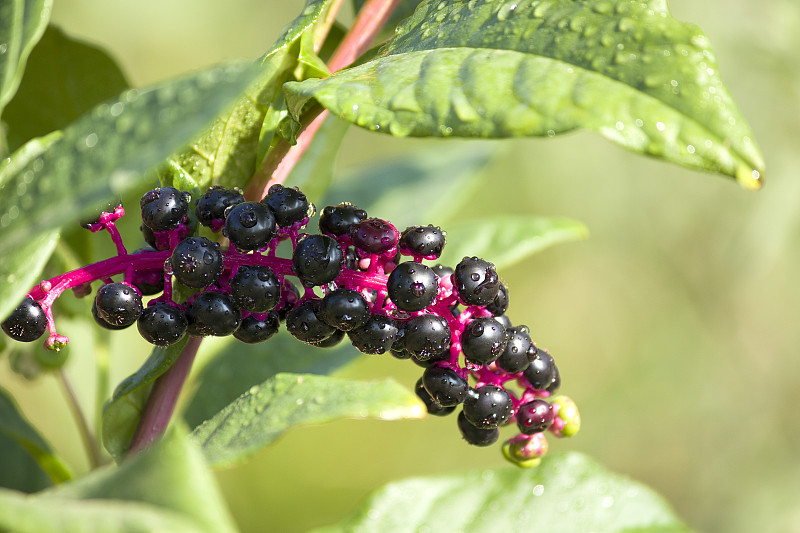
point(568, 414)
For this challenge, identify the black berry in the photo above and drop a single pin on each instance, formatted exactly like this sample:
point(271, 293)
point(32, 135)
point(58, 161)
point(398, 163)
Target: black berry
point(344, 309)
point(331, 341)
point(541, 370)
point(196, 262)
point(488, 407)
point(423, 241)
point(426, 336)
point(336, 220)
point(99, 320)
point(254, 329)
point(476, 281)
point(431, 405)
point(118, 304)
point(289, 205)
point(445, 386)
point(483, 340)
point(317, 259)
point(213, 313)
point(556, 383)
point(534, 416)
point(304, 323)
point(518, 352)
point(374, 236)
point(476, 436)
point(162, 324)
point(250, 225)
point(375, 336)
point(27, 322)
point(412, 286)
point(500, 303)
point(211, 206)
point(255, 288)
point(163, 209)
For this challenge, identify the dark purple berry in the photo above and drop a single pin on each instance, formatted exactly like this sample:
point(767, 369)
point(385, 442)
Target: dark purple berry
point(289, 205)
point(431, 405)
point(151, 239)
point(304, 323)
point(374, 236)
point(118, 304)
point(213, 313)
point(445, 386)
point(488, 407)
point(102, 323)
point(375, 336)
point(500, 303)
point(317, 259)
point(534, 416)
point(210, 207)
point(476, 281)
point(331, 341)
point(541, 370)
point(336, 220)
point(483, 340)
point(351, 258)
point(162, 324)
point(412, 286)
point(426, 336)
point(515, 356)
point(163, 209)
point(505, 321)
point(344, 309)
point(27, 322)
point(290, 296)
point(254, 329)
point(423, 241)
point(255, 288)
point(196, 262)
point(556, 383)
point(476, 436)
point(250, 225)
point(431, 361)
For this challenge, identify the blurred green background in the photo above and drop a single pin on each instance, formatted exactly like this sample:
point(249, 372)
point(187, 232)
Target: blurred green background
point(676, 326)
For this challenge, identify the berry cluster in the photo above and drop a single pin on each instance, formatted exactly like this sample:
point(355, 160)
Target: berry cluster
point(359, 277)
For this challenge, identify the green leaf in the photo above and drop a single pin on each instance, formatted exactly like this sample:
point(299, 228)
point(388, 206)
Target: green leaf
point(446, 175)
point(22, 23)
point(228, 154)
point(164, 488)
point(567, 493)
point(122, 413)
point(20, 270)
point(64, 78)
point(507, 239)
point(266, 411)
point(14, 427)
point(627, 70)
point(237, 366)
point(107, 151)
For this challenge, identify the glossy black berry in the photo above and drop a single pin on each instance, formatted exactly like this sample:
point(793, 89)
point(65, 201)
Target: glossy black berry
point(99, 320)
point(196, 262)
point(213, 313)
point(500, 303)
point(212, 205)
point(250, 225)
point(483, 340)
point(289, 205)
point(426, 336)
point(445, 386)
point(534, 416)
point(290, 296)
point(430, 404)
point(344, 309)
point(330, 342)
point(254, 329)
point(337, 219)
point(304, 323)
point(27, 322)
point(424, 241)
point(476, 281)
point(488, 407)
point(109, 207)
point(163, 209)
point(518, 351)
point(504, 320)
point(431, 361)
point(118, 304)
point(151, 239)
point(476, 436)
point(162, 324)
point(412, 286)
point(374, 235)
point(317, 259)
point(255, 288)
point(375, 336)
point(541, 370)
point(556, 383)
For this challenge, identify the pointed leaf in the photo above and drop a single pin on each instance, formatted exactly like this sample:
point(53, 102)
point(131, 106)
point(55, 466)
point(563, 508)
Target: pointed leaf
point(64, 78)
point(507, 239)
point(567, 493)
point(266, 411)
point(22, 23)
point(107, 151)
point(627, 70)
point(122, 413)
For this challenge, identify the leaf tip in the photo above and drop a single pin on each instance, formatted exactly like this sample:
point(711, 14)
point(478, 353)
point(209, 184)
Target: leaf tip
point(750, 178)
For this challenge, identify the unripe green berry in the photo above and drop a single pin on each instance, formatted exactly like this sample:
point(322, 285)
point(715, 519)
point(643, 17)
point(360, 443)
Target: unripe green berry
point(568, 412)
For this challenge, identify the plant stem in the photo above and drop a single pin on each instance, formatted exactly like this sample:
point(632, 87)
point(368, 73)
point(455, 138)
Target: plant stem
point(89, 441)
point(162, 399)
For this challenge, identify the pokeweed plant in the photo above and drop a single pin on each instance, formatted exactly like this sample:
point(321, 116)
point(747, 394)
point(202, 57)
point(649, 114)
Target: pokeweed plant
point(225, 167)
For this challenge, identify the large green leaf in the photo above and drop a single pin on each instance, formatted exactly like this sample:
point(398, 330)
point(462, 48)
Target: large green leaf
point(22, 23)
point(237, 366)
point(122, 413)
point(165, 488)
point(627, 70)
point(567, 493)
point(20, 269)
point(107, 151)
point(266, 411)
point(19, 444)
point(507, 239)
point(64, 78)
point(228, 154)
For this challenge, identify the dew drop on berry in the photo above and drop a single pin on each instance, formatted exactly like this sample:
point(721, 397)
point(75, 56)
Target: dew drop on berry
point(475, 276)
